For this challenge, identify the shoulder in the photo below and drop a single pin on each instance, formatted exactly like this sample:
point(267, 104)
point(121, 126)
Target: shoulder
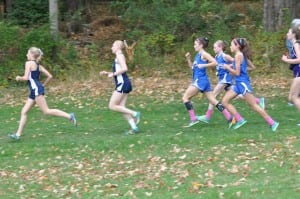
point(30, 64)
point(297, 43)
point(120, 55)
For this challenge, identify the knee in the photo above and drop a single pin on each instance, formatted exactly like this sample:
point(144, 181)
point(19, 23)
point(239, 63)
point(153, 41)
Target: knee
point(111, 106)
point(46, 111)
point(184, 99)
point(293, 97)
point(224, 102)
point(23, 112)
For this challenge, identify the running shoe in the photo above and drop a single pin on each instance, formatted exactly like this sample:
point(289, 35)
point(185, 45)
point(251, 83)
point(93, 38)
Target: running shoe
point(262, 103)
point(274, 126)
point(137, 118)
point(14, 136)
point(73, 119)
point(203, 118)
point(231, 122)
point(290, 104)
point(239, 124)
point(132, 131)
point(192, 123)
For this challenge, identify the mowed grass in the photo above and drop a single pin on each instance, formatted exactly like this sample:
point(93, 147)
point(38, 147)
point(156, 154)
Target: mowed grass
point(96, 160)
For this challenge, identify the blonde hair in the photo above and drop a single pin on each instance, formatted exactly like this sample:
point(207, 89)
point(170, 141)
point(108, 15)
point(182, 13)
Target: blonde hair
point(37, 53)
point(222, 44)
point(120, 44)
point(296, 31)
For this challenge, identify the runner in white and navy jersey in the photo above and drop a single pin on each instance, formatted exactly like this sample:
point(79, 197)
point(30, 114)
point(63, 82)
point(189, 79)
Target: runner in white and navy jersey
point(122, 82)
point(242, 51)
point(35, 86)
point(294, 36)
point(201, 81)
point(36, 95)
point(122, 88)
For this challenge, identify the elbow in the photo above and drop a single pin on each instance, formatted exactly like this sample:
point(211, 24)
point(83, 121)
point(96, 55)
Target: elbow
point(50, 77)
point(214, 64)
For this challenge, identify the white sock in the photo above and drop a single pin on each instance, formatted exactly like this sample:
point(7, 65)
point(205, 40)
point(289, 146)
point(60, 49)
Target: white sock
point(132, 124)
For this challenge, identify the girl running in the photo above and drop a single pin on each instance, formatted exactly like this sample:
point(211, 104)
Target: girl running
point(122, 89)
point(201, 81)
point(294, 36)
point(224, 78)
point(238, 70)
point(36, 96)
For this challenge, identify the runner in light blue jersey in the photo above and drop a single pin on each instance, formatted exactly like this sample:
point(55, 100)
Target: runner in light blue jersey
point(200, 82)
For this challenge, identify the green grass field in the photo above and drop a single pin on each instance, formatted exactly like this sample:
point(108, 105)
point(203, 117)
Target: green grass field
point(96, 160)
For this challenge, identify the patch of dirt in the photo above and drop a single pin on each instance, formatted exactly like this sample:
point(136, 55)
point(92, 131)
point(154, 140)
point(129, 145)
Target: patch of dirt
point(101, 29)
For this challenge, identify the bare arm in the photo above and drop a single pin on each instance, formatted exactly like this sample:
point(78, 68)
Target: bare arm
point(211, 61)
point(286, 59)
point(188, 59)
point(122, 61)
point(251, 66)
point(238, 61)
point(228, 58)
point(25, 76)
point(47, 73)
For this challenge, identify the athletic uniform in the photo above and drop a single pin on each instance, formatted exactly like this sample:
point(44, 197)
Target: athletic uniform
point(295, 67)
point(242, 82)
point(122, 82)
point(200, 78)
point(224, 77)
point(35, 86)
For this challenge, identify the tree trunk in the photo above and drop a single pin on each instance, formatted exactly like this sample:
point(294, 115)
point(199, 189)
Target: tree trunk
point(276, 13)
point(53, 16)
point(6, 6)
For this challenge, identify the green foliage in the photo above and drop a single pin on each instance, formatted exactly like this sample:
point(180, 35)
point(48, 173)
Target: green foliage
point(160, 43)
point(15, 41)
point(163, 27)
point(29, 13)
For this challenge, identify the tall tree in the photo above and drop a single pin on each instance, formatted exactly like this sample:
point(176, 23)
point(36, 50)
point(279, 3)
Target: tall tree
point(6, 6)
point(277, 11)
point(53, 15)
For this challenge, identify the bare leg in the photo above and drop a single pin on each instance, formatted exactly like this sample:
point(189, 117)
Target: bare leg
point(123, 103)
point(251, 100)
point(295, 91)
point(210, 96)
point(226, 99)
point(217, 90)
point(117, 102)
point(28, 105)
point(190, 92)
point(41, 102)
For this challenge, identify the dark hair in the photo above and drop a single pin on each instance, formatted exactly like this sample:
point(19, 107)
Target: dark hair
point(243, 46)
point(204, 41)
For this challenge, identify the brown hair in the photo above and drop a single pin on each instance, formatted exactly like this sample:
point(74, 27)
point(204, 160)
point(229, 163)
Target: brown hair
point(243, 45)
point(204, 41)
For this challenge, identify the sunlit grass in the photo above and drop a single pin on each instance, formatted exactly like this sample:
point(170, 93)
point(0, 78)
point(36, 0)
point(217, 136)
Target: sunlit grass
point(165, 160)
